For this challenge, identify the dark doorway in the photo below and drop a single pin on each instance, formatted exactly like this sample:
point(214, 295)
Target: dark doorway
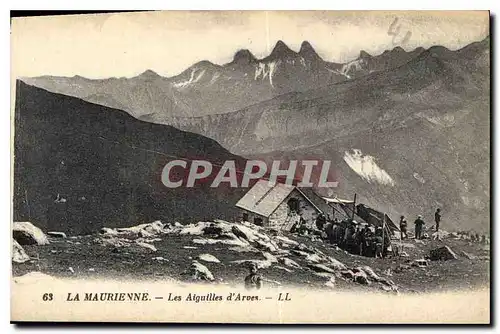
point(257, 221)
point(245, 216)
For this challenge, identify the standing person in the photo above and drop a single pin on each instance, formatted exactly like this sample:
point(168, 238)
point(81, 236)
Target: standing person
point(437, 218)
point(419, 224)
point(403, 226)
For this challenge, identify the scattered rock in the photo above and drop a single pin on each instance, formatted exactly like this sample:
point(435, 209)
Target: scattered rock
point(146, 245)
point(91, 269)
point(421, 263)
point(233, 242)
point(71, 270)
point(313, 258)
point(198, 271)
point(370, 273)
point(347, 274)
point(305, 248)
point(57, 234)
point(337, 265)
point(321, 268)
point(269, 257)
point(299, 252)
point(442, 253)
point(25, 233)
point(208, 258)
point(361, 278)
point(177, 224)
point(286, 241)
point(190, 247)
point(159, 258)
point(468, 256)
point(261, 264)
point(266, 245)
point(283, 268)
point(18, 253)
point(331, 282)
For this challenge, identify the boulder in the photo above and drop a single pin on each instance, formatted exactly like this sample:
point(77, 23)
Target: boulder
point(421, 263)
point(270, 257)
point(337, 265)
point(146, 245)
point(313, 258)
point(57, 234)
point(370, 273)
point(261, 264)
point(286, 242)
point(347, 274)
point(305, 248)
point(266, 245)
point(331, 282)
point(208, 258)
point(25, 233)
point(284, 269)
point(299, 252)
point(228, 241)
point(361, 278)
point(147, 230)
point(442, 253)
point(468, 256)
point(198, 271)
point(18, 253)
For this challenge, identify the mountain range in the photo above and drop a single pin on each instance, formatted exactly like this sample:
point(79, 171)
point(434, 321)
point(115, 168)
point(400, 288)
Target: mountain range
point(206, 88)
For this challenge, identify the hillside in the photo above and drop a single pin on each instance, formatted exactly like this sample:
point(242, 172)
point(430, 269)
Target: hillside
point(79, 166)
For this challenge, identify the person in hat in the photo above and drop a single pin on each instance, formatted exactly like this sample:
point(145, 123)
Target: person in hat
point(253, 280)
point(419, 225)
point(437, 218)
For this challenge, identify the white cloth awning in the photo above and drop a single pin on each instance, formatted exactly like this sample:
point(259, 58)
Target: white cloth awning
point(337, 200)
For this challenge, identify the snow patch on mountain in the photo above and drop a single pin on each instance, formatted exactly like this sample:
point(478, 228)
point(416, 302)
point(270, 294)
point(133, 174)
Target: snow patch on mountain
point(366, 167)
point(266, 70)
point(348, 67)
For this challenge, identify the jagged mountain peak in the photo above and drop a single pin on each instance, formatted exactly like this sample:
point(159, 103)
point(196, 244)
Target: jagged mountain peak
point(149, 74)
point(307, 51)
point(364, 54)
point(281, 50)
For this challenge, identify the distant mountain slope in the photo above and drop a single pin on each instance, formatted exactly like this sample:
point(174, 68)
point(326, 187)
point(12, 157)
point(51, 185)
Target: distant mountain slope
point(138, 96)
point(80, 166)
point(436, 83)
point(206, 88)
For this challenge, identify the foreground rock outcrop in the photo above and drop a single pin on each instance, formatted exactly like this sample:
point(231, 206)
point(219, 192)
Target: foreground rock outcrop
point(18, 253)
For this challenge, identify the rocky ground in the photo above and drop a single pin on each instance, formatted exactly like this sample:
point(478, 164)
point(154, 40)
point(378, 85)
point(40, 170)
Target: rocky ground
point(219, 252)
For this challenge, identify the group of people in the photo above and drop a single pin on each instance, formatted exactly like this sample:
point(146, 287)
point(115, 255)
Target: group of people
point(419, 225)
point(348, 234)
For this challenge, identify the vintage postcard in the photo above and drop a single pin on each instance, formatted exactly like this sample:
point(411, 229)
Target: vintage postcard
point(280, 167)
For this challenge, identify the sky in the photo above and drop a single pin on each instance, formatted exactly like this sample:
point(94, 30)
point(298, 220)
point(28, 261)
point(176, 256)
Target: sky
point(127, 44)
